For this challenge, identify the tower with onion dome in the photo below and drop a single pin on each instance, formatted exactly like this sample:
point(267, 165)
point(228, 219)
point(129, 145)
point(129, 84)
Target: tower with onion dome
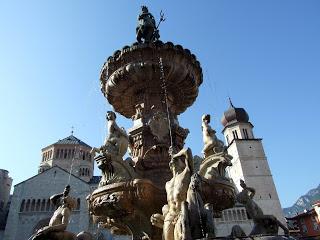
point(249, 161)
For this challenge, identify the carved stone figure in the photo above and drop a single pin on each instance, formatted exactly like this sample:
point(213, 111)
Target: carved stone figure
point(216, 157)
point(246, 198)
point(146, 28)
point(176, 190)
point(110, 154)
point(60, 219)
point(200, 218)
point(212, 144)
point(185, 216)
point(117, 141)
point(263, 224)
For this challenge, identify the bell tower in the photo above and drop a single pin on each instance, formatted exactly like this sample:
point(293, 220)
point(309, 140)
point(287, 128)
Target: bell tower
point(249, 160)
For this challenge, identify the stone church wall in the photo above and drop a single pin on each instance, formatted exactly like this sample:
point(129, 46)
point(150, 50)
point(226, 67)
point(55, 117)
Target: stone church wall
point(30, 209)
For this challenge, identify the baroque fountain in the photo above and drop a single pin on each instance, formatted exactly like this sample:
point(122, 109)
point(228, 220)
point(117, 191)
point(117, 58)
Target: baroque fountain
point(152, 82)
point(161, 191)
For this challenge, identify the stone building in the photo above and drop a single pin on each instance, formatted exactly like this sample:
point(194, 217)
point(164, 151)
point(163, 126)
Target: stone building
point(66, 152)
point(31, 208)
point(307, 223)
point(5, 187)
point(231, 217)
point(249, 161)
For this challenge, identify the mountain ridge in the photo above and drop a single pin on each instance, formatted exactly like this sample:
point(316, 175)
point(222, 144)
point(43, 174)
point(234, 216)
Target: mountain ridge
point(303, 202)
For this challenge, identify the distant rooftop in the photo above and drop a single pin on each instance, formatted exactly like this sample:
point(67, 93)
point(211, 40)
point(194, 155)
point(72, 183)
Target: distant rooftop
point(72, 140)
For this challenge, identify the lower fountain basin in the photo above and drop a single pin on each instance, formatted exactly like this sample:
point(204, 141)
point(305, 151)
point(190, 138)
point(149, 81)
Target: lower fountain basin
point(219, 193)
point(127, 206)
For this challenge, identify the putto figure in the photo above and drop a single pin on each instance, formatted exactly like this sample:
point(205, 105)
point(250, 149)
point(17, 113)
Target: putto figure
point(146, 28)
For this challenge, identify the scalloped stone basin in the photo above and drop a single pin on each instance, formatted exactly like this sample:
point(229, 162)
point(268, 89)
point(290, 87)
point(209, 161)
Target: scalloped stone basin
point(134, 73)
point(119, 200)
point(220, 193)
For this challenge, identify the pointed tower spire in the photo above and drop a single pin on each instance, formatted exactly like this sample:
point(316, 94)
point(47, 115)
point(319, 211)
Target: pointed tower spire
point(72, 130)
point(231, 104)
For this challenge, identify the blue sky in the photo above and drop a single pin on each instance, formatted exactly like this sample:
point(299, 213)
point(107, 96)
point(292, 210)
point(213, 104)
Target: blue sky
point(265, 55)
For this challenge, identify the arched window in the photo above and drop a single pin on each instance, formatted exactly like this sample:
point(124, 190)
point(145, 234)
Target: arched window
point(244, 215)
point(230, 215)
point(235, 134)
point(78, 204)
point(239, 215)
point(33, 204)
point(22, 205)
point(43, 205)
point(38, 205)
point(225, 215)
point(28, 205)
point(245, 133)
point(48, 205)
point(57, 153)
point(234, 215)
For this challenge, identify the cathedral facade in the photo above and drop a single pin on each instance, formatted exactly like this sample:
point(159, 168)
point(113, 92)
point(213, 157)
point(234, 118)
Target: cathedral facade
point(66, 162)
